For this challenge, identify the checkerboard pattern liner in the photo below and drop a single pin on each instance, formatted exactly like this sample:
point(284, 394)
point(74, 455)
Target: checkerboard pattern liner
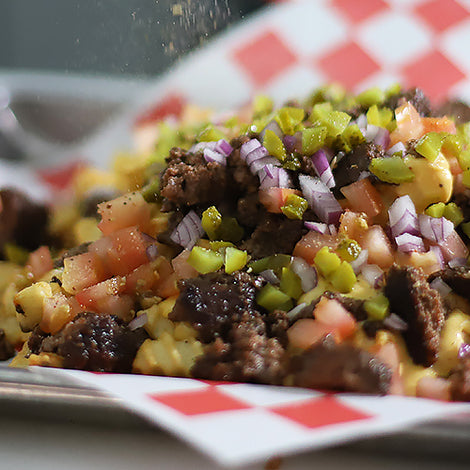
point(285, 51)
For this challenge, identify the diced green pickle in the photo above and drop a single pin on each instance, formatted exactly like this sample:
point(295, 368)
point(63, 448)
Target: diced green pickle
point(379, 117)
point(274, 145)
point(274, 262)
point(391, 170)
point(205, 261)
point(230, 230)
point(262, 105)
point(290, 283)
point(235, 259)
point(210, 134)
point(272, 298)
point(452, 145)
point(377, 307)
point(295, 207)
point(370, 97)
point(466, 228)
point(453, 213)
point(349, 250)
point(151, 192)
point(313, 139)
point(466, 178)
point(220, 245)
point(289, 118)
point(343, 278)
point(436, 210)
point(430, 145)
point(211, 221)
point(326, 262)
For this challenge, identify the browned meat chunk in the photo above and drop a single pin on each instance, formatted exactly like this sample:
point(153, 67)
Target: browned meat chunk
point(212, 302)
point(22, 221)
point(6, 348)
point(458, 278)
point(95, 342)
point(420, 307)
point(248, 355)
point(189, 180)
point(460, 381)
point(342, 367)
point(349, 168)
point(415, 96)
point(458, 110)
point(274, 234)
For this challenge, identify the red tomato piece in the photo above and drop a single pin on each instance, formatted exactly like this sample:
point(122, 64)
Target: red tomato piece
point(363, 197)
point(274, 198)
point(389, 355)
point(307, 331)
point(142, 279)
point(435, 388)
point(308, 246)
point(183, 270)
point(379, 248)
point(331, 313)
point(124, 211)
point(453, 247)
point(40, 261)
point(409, 124)
point(441, 124)
point(166, 286)
point(82, 271)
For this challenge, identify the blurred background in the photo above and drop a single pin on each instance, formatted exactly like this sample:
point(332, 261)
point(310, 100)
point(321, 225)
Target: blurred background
point(136, 38)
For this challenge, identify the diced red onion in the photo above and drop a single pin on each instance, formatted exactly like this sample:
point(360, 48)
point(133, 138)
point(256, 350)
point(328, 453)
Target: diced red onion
point(202, 146)
point(394, 322)
point(378, 135)
point(307, 274)
point(270, 276)
point(152, 252)
point(403, 217)
point(441, 287)
point(248, 147)
point(363, 175)
point(319, 227)
point(258, 164)
point(272, 126)
point(361, 122)
point(273, 176)
point(213, 156)
point(322, 168)
point(332, 229)
point(360, 261)
point(320, 199)
point(408, 243)
point(435, 229)
point(289, 142)
point(439, 256)
point(456, 262)
point(464, 350)
point(399, 147)
point(256, 154)
point(223, 147)
point(373, 274)
point(291, 314)
point(188, 231)
point(138, 322)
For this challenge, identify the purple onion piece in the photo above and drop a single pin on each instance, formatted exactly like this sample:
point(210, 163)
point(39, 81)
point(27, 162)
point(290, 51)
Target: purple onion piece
point(320, 199)
point(441, 287)
point(373, 274)
point(399, 147)
point(213, 156)
point(152, 252)
point(382, 138)
point(435, 229)
point(439, 256)
point(256, 154)
point(200, 146)
point(361, 122)
point(319, 227)
point(270, 276)
point(360, 261)
point(403, 217)
point(138, 322)
point(322, 168)
point(258, 164)
point(408, 243)
point(394, 322)
point(289, 142)
point(188, 231)
point(456, 262)
point(223, 147)
point(272, 126)
point(248, 147)
point(296, 310)
point(272, 176)
point(464, 350)
point(307, 274)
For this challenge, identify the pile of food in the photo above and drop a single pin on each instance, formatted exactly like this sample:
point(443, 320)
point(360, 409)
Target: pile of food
point(321, 244)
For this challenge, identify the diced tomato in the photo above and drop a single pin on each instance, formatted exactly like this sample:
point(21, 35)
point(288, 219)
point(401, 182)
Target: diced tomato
point(435, 388)
point(183, 270)
point(307, 331)
point(40, 261)
point(441, 124)
point(453, 247)
point(352, 225)
point(409, 124)
point(274, 198)
point(331, 313)
point(124, 211)
point(56, 313)
point(389, 355)
point(379, 248)
point(166, 286)
point(308, 246)
point(82, 271)
point(363, 197)
point(107, 297)
point(454, 165)
point(142, 279)
point(122, 251)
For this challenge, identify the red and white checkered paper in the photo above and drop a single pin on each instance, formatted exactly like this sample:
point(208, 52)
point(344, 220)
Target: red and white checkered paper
point(286, 50)
point(240, 423)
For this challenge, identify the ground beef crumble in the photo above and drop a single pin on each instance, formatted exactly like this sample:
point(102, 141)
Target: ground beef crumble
point(331, 366)
point(421, 307)
point(95, 342)
point(415, 96)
